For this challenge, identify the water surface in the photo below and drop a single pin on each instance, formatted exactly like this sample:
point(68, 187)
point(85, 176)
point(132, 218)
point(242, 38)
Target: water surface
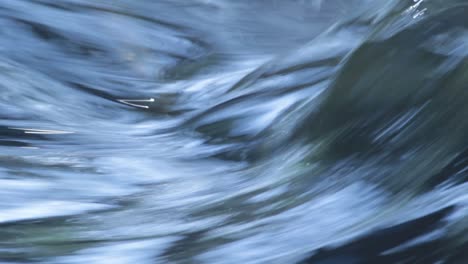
point(201, 131)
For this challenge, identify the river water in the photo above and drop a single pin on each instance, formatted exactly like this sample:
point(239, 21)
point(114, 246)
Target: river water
point(220, 131)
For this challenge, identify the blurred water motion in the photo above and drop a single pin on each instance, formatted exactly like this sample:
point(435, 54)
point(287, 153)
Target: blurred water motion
point(199, 131)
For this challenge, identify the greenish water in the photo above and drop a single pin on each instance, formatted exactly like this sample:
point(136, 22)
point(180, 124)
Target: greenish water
point(137, 131)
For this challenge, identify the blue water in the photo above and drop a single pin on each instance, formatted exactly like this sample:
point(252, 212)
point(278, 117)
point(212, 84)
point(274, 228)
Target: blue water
point(200, 131)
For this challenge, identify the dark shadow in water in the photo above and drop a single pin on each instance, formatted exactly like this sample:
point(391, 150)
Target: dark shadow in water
point(372, 248)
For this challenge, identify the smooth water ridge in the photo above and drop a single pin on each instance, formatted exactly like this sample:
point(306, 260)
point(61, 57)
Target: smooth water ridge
point(222, 131)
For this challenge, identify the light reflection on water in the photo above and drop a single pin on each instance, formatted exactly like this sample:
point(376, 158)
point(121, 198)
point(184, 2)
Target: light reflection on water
point(231, 131)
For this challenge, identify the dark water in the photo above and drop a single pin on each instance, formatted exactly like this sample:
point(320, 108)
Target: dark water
point(217, 131)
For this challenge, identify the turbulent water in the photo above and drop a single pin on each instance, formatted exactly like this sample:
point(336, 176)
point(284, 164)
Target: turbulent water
point(219, 131)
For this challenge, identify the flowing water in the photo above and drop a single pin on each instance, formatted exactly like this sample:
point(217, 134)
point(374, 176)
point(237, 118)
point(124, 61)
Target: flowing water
point(219, 131)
